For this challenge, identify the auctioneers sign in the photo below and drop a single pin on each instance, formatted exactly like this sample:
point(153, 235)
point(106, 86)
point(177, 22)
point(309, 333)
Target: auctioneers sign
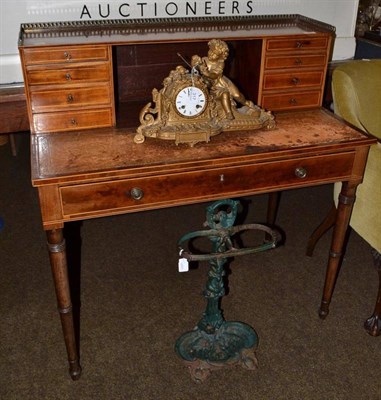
point(341, 13)
point(162, 9)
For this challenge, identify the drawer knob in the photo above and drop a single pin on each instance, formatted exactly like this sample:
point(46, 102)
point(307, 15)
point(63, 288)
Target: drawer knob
point(68, 77)
point(295, 81)
point(300, 44)
point(67, 55)
point(293, 101)
point(70, 98)
point(300, 172)
point(298, 61)
point(136, 193)
point(73, 121)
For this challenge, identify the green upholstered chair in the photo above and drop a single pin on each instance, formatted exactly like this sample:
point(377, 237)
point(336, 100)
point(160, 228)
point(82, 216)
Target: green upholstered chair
point(356, 90)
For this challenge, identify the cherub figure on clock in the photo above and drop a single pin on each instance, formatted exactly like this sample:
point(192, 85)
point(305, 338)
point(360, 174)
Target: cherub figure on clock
point(221, 87)
point(194, 105)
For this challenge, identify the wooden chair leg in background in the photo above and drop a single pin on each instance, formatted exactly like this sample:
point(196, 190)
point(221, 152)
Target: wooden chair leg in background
point(272, 210)
point(13, 144)
point(373, 324)
point(328, 223)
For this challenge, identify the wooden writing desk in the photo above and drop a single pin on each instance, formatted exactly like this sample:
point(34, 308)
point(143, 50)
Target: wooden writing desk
point(82, 175)
point(85, 173)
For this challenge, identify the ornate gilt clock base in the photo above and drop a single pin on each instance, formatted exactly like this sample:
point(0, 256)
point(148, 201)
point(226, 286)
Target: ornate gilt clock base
point(191, 133)
point(233, 344)
point(248, 118)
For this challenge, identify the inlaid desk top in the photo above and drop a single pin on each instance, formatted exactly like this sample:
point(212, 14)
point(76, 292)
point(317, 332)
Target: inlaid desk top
point(97, 173)
point(111, 152)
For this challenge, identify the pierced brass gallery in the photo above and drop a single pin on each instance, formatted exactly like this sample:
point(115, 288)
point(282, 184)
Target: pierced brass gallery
point(164, 9)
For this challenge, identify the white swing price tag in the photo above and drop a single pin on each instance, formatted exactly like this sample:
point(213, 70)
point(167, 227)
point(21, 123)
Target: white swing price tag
point(183, 263)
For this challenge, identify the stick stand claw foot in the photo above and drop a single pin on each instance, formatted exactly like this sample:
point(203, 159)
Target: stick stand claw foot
point(234, 343)
point(216, 343)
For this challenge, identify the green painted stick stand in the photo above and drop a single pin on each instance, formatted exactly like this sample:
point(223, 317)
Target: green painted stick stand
point(216, 343)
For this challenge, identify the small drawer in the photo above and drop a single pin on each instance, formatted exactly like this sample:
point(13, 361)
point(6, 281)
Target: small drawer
point(65, 54)
point(72, 120)
point(300, 61)
point(55, 100)
point(295, 79)
point(165, 190)
point(297, 44)
point(292, 100)
point(68, 76)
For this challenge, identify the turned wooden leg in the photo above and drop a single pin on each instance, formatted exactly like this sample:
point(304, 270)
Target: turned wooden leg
point(57, 254)
point(344, 210)
point(373, 324)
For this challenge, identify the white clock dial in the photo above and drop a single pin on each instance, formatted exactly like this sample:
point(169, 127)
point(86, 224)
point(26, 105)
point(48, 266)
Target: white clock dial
point(190, 101)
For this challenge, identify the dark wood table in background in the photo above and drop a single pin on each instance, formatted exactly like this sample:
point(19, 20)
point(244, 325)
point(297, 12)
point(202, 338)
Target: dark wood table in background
point(13, 111)
point(87, 174)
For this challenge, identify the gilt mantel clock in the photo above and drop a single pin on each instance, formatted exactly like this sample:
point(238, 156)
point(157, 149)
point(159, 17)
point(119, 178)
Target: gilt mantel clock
point(197, 103)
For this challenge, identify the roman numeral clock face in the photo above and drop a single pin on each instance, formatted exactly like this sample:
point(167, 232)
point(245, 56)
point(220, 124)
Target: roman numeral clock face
point(190, 102)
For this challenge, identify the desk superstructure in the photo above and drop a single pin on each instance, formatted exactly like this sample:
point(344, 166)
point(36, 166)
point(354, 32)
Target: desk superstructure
point(79, 76)
point(279, 61)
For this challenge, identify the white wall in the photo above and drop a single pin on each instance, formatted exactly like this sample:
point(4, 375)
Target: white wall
point(340, 13)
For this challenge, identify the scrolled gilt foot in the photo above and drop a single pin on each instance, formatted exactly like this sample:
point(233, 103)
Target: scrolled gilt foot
point(139, 138)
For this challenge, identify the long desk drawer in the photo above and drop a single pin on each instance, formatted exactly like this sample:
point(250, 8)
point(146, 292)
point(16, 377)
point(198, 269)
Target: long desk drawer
point(181, 188)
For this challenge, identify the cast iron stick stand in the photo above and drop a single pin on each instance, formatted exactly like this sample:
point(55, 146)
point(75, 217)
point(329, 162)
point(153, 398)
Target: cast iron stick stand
point(216, 343)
